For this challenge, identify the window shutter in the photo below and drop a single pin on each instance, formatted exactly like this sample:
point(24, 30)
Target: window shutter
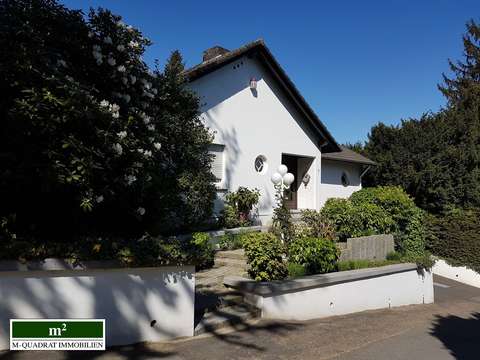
point(217, 160)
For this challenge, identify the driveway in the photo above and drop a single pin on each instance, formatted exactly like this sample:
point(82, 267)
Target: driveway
point(448, 329)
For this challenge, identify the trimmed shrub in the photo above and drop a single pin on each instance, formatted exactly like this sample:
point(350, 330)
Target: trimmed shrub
point(202, 250)
point(359, 219)
point(317, 255)
point(455, 237)
point(408, 227)
point(296, 270)
point(381, 210)
point(394, 255)
point(264, 252)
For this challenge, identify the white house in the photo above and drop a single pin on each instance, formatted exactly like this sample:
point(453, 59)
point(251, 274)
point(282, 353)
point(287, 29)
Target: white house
point(260, 121)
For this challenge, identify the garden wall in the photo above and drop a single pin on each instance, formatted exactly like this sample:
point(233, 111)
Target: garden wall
point(457, 273)
point(338, 293)
point(373, 247)
point(138, 304)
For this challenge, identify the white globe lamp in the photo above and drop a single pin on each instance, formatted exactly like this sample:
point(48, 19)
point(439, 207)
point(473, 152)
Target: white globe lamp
point(288, 179)
point(282, 169)
point(276, 178)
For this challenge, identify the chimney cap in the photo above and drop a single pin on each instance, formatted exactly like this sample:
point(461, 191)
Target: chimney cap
point(213, 52)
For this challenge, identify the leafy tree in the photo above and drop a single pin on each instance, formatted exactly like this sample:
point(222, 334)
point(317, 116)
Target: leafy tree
point(91, 140)
point(436, 158)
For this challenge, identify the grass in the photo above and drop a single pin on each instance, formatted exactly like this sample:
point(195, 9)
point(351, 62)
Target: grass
point(363, 264)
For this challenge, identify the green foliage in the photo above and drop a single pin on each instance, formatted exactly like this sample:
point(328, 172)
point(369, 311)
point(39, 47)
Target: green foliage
point(282, 219)
point(314, 224)
point(296, 270)
point(230, 241)
point(455, 237)
point(354, 220)
point(92, 142)
point(381, 210)
point(264, 252)
point(407, 225)
point(202, 250)
point(394, 255)
point(436, 158)
point(238, 206)
point(363, 264)
point(318, 256)
point(145, 251)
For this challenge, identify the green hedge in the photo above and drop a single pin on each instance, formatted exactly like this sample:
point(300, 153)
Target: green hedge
point(377, 211)
point(316, 255)
point(455, 237)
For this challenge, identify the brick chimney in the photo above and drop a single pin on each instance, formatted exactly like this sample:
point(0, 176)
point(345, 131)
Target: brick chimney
point(214, 52)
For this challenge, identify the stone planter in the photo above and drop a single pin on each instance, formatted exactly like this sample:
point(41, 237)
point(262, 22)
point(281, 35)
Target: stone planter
point(344, 292)
point(138, 304)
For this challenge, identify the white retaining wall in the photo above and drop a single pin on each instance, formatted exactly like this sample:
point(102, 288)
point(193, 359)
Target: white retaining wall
point(344, 292)
point(458, 273)
point(129, 299)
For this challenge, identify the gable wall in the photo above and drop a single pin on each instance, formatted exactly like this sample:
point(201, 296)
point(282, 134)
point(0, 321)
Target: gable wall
point(251, 124)
point(331, 184)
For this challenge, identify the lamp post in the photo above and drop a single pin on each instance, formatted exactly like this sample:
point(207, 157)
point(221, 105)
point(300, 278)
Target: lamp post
point(282, 180)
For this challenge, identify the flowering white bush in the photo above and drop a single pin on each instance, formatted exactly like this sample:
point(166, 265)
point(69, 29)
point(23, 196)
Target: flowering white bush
point(93, 137)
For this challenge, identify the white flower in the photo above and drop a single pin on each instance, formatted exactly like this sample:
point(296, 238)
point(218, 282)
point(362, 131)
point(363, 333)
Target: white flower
point(133, 44)
point(138, 164)
point(114, 108)
point(111, 61)
point(104, 104)
point(118, 148)
point(120, 48)
point(141, 211)
point(99, 199)
point(127, 98)
point(108, 40)
point(151, 127)
point(146, 119)
point(147, 153)
point(122, 134)
point(121, 68)
point(133, 79)
point(130, 179)
point(157, 145)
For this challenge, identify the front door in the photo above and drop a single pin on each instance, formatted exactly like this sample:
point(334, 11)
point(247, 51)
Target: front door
point(291, 195)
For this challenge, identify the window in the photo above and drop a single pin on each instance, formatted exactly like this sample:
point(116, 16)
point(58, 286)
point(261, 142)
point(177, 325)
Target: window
point(260, 164)
point(216, 151)
point(345, 179)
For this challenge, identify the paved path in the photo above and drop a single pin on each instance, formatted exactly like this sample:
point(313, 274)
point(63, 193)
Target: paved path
point(448, 329)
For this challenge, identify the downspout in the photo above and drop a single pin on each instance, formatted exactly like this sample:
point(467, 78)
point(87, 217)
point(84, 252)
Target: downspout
point(364, 172)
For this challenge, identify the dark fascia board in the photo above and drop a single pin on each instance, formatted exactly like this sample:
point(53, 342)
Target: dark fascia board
point(259, 48)
point(348, 155)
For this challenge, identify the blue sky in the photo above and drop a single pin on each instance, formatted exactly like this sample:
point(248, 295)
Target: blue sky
point(356, 62)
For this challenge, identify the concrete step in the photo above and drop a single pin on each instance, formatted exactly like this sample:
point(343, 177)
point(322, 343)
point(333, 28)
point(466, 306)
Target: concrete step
point(230, 254)
point(230, 316)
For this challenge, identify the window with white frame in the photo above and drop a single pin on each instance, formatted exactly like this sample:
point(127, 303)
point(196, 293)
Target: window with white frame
point(217, 152)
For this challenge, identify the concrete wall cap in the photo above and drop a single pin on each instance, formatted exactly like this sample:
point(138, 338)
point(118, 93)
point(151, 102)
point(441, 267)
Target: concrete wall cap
point(267, 288)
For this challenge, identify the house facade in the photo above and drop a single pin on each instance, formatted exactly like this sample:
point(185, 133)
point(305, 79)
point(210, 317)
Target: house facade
point(260, 121)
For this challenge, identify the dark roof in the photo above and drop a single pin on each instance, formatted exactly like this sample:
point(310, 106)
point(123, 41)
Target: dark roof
point(348, 155)
point(259, 50)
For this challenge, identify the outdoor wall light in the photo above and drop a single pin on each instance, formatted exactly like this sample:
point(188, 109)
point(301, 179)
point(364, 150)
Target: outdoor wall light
point(253, 84)
point(282, 177)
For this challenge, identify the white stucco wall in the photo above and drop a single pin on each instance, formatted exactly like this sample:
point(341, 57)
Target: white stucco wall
point(251, 124)
point(128, 300)
point(457, 273)
point(331, 184)
point(405, 288)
